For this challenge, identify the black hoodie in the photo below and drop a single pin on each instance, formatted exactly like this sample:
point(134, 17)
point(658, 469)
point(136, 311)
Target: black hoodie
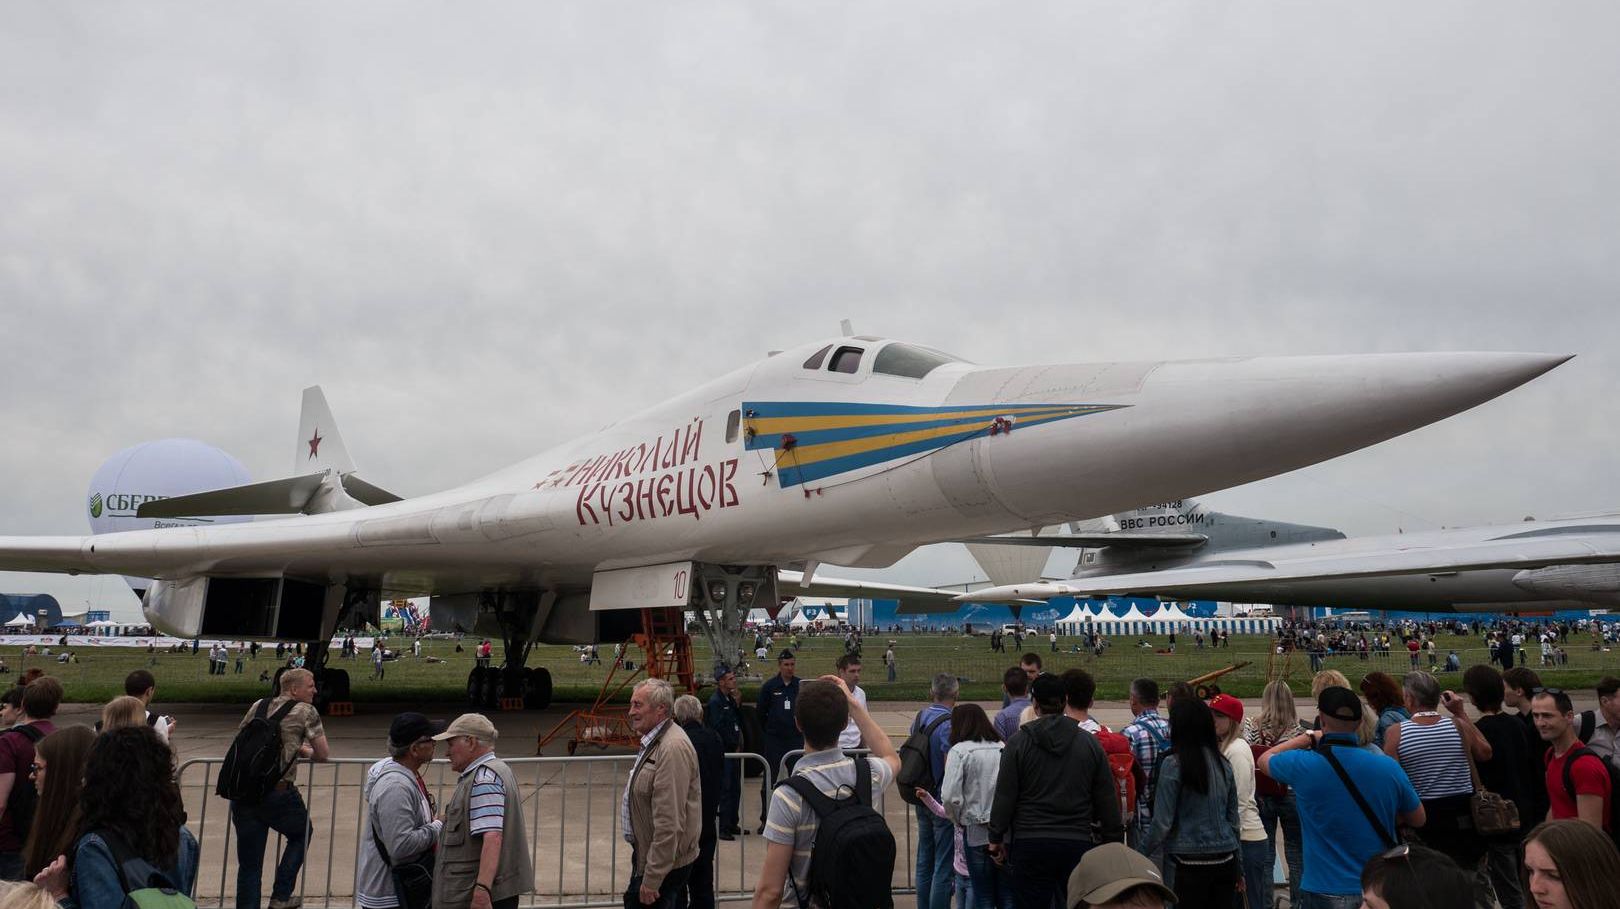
point(1055, 784)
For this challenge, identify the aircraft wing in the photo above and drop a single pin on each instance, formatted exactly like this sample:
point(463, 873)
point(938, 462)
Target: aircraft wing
point(1098, 540)
point(1532, 550)
point(51, 554)
point(912, 599)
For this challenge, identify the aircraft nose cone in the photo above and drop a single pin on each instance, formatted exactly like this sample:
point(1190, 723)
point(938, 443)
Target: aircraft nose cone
point(1190, 427)
point(1490, 374)
point(1391, 394)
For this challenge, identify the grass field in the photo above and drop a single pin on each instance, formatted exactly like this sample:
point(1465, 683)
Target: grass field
point(98, 674)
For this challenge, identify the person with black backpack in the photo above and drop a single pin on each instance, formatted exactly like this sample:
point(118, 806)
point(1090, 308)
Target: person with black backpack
point(1580, 784)
point(39, 702)
point(827, 841)
point(1599, 729)
point(133, 847)
point(922, 766)
point(258, 776)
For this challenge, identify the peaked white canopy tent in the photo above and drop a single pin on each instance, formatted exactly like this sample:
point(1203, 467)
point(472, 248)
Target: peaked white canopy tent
point(1166, 620)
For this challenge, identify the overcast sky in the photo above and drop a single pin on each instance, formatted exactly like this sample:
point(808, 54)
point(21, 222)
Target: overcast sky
point(486, 228)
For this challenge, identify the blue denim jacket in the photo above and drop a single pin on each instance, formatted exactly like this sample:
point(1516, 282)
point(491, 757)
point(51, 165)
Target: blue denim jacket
point(1187, 823)
point(97, 883)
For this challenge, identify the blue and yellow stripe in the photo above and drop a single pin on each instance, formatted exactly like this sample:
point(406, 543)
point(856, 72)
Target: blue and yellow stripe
point(814, 440)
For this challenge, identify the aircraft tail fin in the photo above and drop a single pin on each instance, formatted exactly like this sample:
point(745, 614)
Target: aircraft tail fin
point(286, 496)
point(323, 478)
point(1178, 516)
point(1173, 520)
point(320, 445)
point(366, 493)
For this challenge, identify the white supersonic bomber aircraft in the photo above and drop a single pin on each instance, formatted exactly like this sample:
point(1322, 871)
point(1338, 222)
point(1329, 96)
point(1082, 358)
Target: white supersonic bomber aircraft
point(850, 452)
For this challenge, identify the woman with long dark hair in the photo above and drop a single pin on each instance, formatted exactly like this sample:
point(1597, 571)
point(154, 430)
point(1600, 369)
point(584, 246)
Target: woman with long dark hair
point(131, 818)
point(58, 772)
point(1570, 864)
point(1195, 811)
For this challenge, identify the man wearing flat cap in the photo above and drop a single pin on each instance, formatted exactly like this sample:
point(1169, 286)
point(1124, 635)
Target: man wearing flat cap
point(1115, 876)
point(1351, 801)
point(400, 828)
point(484, 860)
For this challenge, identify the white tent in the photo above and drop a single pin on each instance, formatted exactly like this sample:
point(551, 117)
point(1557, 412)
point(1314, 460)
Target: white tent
point(21, 620)
point(1071, 623)
point(1172, 613)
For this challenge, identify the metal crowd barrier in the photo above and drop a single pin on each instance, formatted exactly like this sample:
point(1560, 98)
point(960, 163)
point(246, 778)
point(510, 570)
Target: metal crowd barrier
point(570, 804)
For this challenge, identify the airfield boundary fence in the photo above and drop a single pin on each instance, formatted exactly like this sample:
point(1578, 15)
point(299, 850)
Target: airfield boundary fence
point(571, 808)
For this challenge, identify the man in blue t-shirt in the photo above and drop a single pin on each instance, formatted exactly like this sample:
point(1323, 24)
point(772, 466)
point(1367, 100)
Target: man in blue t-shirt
point(1339, 837)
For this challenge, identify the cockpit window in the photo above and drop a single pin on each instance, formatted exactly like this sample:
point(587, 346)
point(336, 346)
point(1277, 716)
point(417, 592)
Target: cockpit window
point(815, 359)
point(846, 360)
point(909, 361)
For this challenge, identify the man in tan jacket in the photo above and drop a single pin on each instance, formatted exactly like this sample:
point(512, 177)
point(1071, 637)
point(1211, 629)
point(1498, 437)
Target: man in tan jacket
point(661, 812)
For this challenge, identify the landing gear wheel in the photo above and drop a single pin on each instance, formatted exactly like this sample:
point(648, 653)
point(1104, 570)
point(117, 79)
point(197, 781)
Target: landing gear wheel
point(573, 746)
point(537, 691)
point(513, 683)
point(476, 681)
point(490, 694)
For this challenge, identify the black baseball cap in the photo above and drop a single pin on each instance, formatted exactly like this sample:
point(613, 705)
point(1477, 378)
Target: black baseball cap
point(1340, 703)
point(784, 655)
point(409, 727)
point(721, 670)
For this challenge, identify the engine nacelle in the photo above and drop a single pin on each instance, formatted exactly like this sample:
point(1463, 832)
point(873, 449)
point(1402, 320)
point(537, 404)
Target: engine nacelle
point(275, 608)
point(1586, 583)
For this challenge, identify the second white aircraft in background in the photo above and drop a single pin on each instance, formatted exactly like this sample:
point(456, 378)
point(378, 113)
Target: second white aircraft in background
point(1182, 551)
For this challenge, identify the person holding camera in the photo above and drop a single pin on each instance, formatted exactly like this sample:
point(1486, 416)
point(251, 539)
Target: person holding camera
point(1437, 751)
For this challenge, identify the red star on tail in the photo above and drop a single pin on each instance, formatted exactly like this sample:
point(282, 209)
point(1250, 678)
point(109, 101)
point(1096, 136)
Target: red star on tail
point(315, 444)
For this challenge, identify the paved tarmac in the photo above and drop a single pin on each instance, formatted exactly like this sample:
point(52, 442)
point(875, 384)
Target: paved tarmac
point(571, 806)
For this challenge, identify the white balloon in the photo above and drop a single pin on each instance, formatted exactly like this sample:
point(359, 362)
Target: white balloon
point(159, 470)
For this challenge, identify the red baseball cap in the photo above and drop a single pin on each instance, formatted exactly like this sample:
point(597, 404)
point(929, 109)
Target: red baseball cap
point(1227, 706)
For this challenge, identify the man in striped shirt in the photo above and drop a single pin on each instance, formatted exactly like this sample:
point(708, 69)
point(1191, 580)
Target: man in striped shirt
point(483, 829)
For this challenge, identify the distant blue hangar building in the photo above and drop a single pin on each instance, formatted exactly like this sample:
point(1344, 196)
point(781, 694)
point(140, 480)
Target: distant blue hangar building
point(886, 613)
point(30, 605)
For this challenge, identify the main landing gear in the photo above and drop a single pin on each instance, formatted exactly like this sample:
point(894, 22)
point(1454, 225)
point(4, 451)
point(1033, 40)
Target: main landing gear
point(512, 685)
